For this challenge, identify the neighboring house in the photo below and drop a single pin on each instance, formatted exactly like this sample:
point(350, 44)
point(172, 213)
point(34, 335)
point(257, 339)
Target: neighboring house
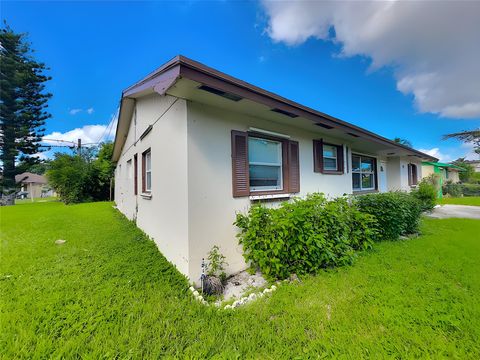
point(445, 172)
point(475, 164)
point(194, 146)
point(33, 185)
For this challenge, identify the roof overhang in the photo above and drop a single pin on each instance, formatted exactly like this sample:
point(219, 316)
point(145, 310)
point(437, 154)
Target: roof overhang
point(161, 81)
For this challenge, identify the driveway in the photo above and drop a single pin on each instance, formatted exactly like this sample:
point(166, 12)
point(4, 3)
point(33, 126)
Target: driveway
point(455, 211)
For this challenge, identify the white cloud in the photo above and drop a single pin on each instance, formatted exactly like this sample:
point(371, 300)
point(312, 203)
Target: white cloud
point(90, 135)
point(431, 45)
point(435, 152)
point(74, 111)
point(89, 111)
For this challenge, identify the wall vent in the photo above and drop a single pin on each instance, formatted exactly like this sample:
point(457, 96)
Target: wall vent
point(283, 112)
point(221, 93)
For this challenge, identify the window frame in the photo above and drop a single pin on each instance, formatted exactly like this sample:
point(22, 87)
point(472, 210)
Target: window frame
point(412, 180)
point(283, 167)
point(319, 158)
point(146, 153)
point(336, 158)
point(374, 172)
point(256, 189)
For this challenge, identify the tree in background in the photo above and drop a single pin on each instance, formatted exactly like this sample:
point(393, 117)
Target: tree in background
point(467, 172)
point(403, 142)
point(471, 136)
point(23, 103)
point(82, 177)
point(39, 167)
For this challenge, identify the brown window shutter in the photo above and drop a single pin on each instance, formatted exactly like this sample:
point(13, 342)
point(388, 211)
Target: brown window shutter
point(240, 171)
point(135, 175)
point(318, 156)
point(293, 167)
point(143, 172)
point(340, 162)
point(409, 174)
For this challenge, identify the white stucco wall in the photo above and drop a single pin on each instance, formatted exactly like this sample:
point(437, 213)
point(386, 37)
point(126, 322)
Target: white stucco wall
point(192, 207)
point(164, 216)
point(212, 207)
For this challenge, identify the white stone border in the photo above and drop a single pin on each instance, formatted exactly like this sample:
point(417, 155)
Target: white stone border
point(237, 303)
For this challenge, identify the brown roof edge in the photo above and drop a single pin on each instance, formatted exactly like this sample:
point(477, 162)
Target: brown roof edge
point(197, 71)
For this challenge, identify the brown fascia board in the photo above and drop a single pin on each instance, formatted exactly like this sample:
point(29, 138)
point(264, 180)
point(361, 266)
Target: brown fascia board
point(181, 66)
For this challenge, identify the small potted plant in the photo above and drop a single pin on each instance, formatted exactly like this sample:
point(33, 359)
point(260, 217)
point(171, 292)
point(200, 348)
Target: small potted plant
point(214, 278)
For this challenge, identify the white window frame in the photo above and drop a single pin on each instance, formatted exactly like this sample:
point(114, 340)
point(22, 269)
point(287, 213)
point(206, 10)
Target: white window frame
point(280, 165)
point(361, 172)
point(335, 148)
point(148, 171)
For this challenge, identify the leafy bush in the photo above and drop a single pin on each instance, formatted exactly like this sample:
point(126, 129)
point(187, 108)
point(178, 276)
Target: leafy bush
point(85, 177)
point(471, 189)
point(304, 236)
point(457, 190)
point(397, 213)
point(216, 263)
point(426, 193)
point(454, 190)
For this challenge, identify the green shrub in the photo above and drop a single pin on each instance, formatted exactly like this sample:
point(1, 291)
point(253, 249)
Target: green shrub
point(426, 193)
point(454, 190)
point(304, 236)
point(397, 213)
point(457, 190)
point(471, 189)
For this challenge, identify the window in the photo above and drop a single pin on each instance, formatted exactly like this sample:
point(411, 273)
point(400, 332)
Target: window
point(412, 175)
point(147, 171)
point(330, 158)
point(327, 158)
point(265, 164)
point(363, 173)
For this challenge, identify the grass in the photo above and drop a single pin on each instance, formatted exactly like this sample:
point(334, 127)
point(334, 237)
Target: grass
point(108, 293)
point(467, 200)
point(35, 200)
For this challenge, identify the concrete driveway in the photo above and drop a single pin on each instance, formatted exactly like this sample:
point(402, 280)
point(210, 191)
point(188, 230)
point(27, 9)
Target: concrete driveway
point(455, 211)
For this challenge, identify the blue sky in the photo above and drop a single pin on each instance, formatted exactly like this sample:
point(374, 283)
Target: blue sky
point(96, 49)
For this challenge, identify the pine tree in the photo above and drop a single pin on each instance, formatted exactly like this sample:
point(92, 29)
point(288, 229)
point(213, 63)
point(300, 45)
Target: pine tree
point(23, 103)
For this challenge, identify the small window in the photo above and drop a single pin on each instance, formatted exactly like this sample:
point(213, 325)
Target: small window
point(330, 158)
point(265, 164)
point(412, 175)
point(363, 173)
point(327, 158)
point(147, 171)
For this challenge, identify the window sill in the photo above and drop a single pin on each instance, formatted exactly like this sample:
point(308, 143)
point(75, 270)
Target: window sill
point(270, 196)
point(361, 192)
point(146, 196)
point(332, 172)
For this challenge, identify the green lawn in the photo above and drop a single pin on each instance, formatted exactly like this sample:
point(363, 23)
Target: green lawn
point(108, 293)
point(467, 200)
point(35, 200)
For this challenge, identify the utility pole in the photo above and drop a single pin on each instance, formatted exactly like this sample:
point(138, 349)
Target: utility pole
point(79, 147)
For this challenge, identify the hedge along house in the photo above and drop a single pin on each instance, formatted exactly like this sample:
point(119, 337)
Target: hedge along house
point(445, 172)
point(194, 146)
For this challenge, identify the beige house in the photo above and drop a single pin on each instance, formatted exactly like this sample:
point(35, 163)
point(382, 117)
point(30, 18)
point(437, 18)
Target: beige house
point(35, 185)
point(194, 146)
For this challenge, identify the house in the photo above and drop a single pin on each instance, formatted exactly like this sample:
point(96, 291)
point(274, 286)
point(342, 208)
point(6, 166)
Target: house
point(445, 172)
point(475, 164)
point(33, 185)
point(194, 146)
